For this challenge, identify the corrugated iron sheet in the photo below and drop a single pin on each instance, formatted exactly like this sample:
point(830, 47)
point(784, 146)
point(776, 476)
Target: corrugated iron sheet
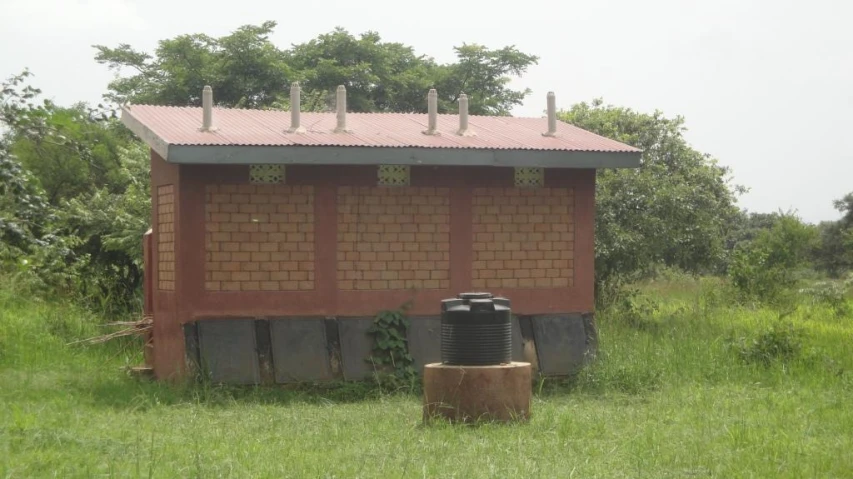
point(235, 127)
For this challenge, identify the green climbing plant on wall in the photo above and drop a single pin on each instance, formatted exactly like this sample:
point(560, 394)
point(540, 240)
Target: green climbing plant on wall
point(390, 357)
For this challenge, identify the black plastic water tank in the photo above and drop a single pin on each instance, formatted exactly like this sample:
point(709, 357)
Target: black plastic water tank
point(476, 330)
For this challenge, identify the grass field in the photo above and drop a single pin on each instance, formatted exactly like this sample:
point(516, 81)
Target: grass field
point(685, 386)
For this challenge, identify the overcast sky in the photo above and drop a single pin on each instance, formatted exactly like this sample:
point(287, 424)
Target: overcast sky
point(765, 86)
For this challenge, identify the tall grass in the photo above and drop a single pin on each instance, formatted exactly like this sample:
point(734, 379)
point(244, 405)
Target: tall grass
point(674, 392)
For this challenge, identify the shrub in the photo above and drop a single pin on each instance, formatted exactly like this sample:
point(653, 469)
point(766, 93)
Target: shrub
point(713, 294)
point(781, 342)
point(764, 269)
point(390, 357)
point(829, 293)
point(636, 311)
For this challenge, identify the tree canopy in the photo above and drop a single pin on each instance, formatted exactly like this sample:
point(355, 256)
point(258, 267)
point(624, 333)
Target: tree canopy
point(673, 210)
point(247, 70)
point(74, 201)
point(834, 252)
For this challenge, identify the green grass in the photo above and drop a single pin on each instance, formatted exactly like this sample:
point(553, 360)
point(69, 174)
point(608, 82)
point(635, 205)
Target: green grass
point(670, 396)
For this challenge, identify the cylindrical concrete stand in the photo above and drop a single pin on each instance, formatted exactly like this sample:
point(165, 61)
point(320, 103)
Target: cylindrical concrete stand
point(475, 393)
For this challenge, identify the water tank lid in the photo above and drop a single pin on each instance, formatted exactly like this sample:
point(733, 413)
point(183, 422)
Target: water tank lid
point(476, 301)
point(447, 304)
point(475, 295)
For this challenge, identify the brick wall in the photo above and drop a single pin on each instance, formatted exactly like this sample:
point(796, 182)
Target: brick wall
point(393, 238)
point(259, 238)
point(166, 238)
point(523, 238)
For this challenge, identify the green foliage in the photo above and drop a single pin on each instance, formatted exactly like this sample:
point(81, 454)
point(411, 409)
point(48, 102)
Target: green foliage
point(748, 225)
point(781, 342)
point(674, 210)
point(830, 293)
point(635, 310)
point(68, 151)
point(111, 226)
point(76, 154)
point(390, 356)
point(75, 201)
point(764, 268)
point(834, 253)
point(245, 69)
point(484, 75)
point(24, 212)
point(379, 76)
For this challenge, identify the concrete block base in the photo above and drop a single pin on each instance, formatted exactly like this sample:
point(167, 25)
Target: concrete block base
point(473, 393)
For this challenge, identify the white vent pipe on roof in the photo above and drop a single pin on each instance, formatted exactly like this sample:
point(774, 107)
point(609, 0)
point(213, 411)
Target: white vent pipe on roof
point(463, 116)
point(552, 115)
point(295, 126)
point(341, 106)
point(432, 113)
point(207, 109)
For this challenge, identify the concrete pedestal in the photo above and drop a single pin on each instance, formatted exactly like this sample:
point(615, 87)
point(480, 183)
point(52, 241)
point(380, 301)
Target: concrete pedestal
point(473, 393)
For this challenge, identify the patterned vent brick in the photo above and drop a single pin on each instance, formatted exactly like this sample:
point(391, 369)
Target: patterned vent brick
point(392, 238)
point(523, 238)
point(166, 238)
point(259, 238)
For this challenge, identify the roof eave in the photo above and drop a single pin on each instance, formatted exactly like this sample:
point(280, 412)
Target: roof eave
point(360, 155)
point(160, 146)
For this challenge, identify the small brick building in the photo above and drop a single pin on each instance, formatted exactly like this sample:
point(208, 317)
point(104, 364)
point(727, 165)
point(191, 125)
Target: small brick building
point(277, 236)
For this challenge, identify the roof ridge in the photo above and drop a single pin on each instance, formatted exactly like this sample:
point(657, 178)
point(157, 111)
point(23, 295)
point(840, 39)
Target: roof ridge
point(332, 113)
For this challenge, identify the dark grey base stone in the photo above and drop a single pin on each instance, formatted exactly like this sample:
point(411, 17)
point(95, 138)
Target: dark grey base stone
point(517, 344)
point(356, 346)
point(425, 341)
point(561, 343)
point(285, 350)
point(227, 350)
point(299, 350)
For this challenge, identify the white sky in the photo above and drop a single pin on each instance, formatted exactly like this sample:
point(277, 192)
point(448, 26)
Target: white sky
point(765, 86)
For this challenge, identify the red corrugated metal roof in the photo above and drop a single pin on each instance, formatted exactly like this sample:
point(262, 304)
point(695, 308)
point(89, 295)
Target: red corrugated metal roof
point(235, 127)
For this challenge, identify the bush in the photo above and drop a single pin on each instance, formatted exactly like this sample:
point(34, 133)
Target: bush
point(636, 311)
point(764, 269)
point(781, 342)
point(829, 293)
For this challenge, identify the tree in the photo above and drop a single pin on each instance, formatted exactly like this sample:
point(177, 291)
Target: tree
point(748, 225)
point(834, 253)
point(845, 206)
point(24, 209)
point(69, 151)
point(764, 267)
point(245, 69)
point(483, 75)
point(74, 200)
point(378, 76)
point(675, 209)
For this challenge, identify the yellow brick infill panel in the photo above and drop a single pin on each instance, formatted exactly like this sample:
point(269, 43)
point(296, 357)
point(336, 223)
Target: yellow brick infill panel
point(392, 238)
point(259, 238)
point(166, 238)
point(523, 238)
